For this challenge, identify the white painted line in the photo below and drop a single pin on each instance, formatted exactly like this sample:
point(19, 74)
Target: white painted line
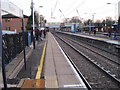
point(73, 86)
point(78, 77)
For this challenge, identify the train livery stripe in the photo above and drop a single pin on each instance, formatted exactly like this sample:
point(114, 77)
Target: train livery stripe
point(38, 75)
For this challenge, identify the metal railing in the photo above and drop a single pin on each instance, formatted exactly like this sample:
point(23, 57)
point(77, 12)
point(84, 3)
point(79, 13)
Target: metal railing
point(13, 45)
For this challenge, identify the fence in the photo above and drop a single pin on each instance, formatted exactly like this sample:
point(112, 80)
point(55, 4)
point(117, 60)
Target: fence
point(13, 45)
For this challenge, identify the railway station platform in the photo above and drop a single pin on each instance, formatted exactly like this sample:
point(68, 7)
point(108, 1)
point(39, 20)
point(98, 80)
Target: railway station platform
point(99, 37)
point(102, 37)
point(99, 40)
point(50, 69)
point(59, 72)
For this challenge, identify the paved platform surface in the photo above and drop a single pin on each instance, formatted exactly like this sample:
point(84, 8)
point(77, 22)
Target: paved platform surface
point(100, 37)
point(15, 71)
point(59, 73)
point(57, 69)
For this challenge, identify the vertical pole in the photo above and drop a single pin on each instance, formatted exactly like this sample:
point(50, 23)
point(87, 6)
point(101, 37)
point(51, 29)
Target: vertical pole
point(23, 39)
point(2, 63)
point(51, 13)
point(93, 19)
point(92, 22)
point(39, 17)
point(33, 25)
point(89, 27)
point(115, 12)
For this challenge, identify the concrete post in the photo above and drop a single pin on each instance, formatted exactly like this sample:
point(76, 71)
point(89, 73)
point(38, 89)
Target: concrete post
point(33, 23)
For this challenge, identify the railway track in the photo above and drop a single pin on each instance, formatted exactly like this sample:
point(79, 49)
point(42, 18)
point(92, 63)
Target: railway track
point(112, 55)
point(110, 65)
point(97, 76)
point(100, 52)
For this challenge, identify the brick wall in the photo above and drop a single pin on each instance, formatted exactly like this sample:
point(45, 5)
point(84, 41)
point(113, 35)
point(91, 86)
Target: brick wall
point(14, 24)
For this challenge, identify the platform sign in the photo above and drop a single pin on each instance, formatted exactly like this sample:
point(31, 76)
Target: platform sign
point(73, 28)
point(9, 7)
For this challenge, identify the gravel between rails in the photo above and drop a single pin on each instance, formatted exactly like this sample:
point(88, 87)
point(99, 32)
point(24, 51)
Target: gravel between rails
point(110, 66)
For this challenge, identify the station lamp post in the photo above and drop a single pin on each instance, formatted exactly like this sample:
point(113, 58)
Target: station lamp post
point(115, 9)
point(33, 25)
point(93, 16)
point(115, 33)
point(39, 17)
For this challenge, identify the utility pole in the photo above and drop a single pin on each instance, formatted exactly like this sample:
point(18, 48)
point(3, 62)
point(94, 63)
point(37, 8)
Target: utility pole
point(115, 9)
point(39, 17)
point(93, 19)
point(32, 8)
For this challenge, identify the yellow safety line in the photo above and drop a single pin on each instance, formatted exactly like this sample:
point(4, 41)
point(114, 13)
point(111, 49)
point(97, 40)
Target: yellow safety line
point(38, 75)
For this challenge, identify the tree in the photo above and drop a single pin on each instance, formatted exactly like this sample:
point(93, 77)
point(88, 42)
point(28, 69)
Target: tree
point(36, 19)
point(30, 21)
point(66, 20)
point(75, 19)
point(98, 21)
point(103, 23)
point(109, 21)
point(88, 22)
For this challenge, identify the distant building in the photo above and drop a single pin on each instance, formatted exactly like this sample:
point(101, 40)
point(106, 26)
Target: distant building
point(13, 23)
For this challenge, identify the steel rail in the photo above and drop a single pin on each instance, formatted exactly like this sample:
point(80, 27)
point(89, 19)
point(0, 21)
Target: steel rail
point(95, 51)
point(92, 61)
point(95, 46)
point(80, 74)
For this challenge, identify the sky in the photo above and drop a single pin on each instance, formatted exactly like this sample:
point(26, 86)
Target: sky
point(68, 8)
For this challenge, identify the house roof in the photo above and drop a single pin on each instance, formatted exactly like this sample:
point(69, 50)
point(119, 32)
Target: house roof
point(12, 16)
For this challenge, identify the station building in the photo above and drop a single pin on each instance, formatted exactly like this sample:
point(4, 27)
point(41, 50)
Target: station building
point(13, 23)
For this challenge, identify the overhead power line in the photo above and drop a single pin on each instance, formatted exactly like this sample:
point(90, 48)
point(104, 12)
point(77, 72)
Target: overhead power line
point(77, 6)
point(62, 13)
point(71, 5)
point(105, 12)
point(77, 12)
point(52, 12)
